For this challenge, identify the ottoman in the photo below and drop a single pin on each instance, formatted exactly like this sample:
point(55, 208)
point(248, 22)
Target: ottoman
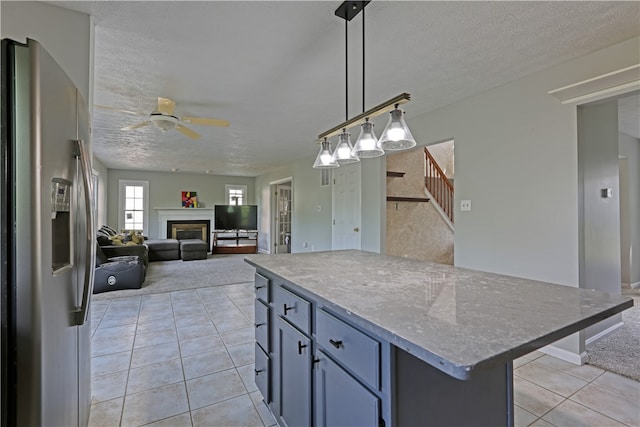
point(191, 249)
point(163, 249)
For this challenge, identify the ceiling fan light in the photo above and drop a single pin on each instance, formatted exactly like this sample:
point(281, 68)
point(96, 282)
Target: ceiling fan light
point(396, 135)
point(163, 122)
point(343, 153)
point(367, 145)
point(324, 159)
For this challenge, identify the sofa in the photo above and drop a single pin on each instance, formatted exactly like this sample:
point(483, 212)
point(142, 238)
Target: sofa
point(140, 251)
point(116, 273)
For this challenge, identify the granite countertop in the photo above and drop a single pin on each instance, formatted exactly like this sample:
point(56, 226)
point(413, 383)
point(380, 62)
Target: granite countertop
point(455, 319)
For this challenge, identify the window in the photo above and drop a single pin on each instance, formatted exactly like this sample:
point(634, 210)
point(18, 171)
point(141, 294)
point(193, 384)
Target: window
point(236, 194)
point(133, 212)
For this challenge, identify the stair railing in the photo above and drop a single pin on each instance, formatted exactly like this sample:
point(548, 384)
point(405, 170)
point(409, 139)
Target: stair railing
point(438, 184)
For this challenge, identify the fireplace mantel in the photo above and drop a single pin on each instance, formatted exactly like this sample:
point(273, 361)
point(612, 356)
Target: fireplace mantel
point(177, 214)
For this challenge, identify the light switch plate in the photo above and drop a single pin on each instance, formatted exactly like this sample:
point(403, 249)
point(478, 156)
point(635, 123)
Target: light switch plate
point(465, 205)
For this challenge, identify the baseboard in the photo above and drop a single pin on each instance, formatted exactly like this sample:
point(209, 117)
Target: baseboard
point(635, 285)
point(607, 331)
point(263, 251)
point(567, 356)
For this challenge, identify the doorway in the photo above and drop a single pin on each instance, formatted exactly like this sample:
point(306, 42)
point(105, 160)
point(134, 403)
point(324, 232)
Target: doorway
point(282, 216)
point(604, 239)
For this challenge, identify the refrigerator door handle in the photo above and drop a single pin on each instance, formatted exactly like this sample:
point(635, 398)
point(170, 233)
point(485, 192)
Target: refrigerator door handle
point(81, 312)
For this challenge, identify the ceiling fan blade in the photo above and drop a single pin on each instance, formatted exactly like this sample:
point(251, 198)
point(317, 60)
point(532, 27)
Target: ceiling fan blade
point(185, 130)
point(105, 107)
point(137, 125)
point(208, 122)
point(166, 106)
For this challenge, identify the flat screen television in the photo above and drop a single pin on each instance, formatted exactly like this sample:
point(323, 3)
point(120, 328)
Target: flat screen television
point(232, 217)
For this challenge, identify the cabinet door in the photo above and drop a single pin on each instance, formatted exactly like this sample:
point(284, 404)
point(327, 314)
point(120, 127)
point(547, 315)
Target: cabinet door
point(293, 380)
point(340, 400)
point(262, 373)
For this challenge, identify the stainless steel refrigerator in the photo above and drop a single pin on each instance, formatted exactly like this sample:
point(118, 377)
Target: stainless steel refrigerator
point(47, 242)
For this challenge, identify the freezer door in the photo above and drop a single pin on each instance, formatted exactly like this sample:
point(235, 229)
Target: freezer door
point(49, 369)
point(85, 267)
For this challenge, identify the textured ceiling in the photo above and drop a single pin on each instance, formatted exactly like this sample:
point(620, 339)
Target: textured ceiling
point(276, 70)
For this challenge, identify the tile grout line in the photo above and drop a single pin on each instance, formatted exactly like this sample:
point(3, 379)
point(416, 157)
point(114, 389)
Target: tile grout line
point(126, 384)
point(184, 377)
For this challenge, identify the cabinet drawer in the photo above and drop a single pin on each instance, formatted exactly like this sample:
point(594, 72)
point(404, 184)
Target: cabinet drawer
point(262, 373)
point(262, 288)
point(293, 308)
point(262, 325)
point(355, 350)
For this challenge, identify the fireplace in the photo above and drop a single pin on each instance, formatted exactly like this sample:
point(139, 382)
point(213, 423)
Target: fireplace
point(189, 229)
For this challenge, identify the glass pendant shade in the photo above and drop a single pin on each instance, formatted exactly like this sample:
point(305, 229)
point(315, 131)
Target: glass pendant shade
point(325, 159)
point(397, 136)
point(343, 152)
point(367, 144)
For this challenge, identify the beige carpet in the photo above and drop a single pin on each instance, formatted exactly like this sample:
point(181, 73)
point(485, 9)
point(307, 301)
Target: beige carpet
point(167, 276)
point(619, 351)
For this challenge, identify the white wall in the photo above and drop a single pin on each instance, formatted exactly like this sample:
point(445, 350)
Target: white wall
point(629, 149)
point(165, 190)
point(374, 205)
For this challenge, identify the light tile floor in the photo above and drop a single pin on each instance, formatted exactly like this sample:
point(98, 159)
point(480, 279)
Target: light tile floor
point(185, 358)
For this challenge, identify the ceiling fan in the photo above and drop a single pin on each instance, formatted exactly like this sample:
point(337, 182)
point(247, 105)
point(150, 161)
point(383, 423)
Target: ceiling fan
point(164, 119)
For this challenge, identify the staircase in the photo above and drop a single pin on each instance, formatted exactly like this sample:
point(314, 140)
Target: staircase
point(438, 185)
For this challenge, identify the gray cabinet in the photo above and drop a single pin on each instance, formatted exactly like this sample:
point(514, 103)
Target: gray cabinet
point(339, 399)
point(263, 373)
point(313, 368)
point(293, 382)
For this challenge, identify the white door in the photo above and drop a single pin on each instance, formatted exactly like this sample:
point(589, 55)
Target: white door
point(346, 207)
point(283, 218)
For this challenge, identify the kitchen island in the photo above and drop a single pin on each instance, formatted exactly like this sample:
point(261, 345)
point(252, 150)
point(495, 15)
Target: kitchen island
point(357, 338)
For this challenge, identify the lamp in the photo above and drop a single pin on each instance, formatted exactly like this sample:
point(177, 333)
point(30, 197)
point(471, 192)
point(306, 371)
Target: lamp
point(343, 153)
point(396, 135)
point(164, 122)
point(325, 159)
point(367, 144)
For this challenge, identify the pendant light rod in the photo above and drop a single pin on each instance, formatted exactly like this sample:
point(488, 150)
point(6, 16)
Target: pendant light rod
point(346, 69)
point(385, 107)
point(363, 59)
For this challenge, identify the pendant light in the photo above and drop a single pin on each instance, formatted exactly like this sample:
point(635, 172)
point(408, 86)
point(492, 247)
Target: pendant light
point(343, 153)
point(367, 145)
point(396, 136)
point(325, 159)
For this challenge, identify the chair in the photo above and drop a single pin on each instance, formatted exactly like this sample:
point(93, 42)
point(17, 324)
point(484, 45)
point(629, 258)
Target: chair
point(112, 274)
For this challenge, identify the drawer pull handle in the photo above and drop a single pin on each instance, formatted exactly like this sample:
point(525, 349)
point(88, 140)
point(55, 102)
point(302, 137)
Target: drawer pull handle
point(301, 346)
point(258, 371)
point(336, 344)
point(260, 324)
point(259, 287)
point(288, 308)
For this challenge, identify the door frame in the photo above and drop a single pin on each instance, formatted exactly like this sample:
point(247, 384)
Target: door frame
point(273, 211)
